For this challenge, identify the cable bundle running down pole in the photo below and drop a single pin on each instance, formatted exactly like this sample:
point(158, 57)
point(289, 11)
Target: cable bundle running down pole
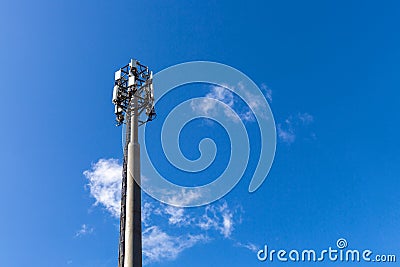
point(121, 249)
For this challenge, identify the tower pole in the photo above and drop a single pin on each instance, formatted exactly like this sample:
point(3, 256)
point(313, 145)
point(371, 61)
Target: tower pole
point(133, 98)
point(133, 228)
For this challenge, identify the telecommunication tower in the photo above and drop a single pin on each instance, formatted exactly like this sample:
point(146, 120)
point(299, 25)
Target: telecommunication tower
point(133, 98)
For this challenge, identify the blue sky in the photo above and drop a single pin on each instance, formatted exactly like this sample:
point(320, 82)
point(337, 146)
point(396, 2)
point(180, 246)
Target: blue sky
point(330, 69)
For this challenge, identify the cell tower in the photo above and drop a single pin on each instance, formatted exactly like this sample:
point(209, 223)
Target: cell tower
point(134, 105)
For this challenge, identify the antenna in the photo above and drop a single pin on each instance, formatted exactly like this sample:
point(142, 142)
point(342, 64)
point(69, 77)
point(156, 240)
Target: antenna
point(133, 80)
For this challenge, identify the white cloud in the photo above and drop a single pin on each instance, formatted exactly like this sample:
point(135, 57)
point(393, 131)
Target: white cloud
point(147, 210)
point(207, 106)
point(305, 118)
point(195, 225)
point(288, 130)
point(184, 197)
point(219, 218)
point(85, 230)
point(177, 216)
point(159, 245)
point(222, 94)
point(194, 228)
point(267, 91)
point(227, 227)
point(105, 184)
point(250, 246)
point(255, 103)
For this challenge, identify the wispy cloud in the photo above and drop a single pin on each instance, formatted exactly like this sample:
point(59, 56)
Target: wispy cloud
point(177, 216)
point(85, 230)
point(287, 130)
point(184, 197)
point(195, 225)
point(219, 218)
point(225, 94)
point(305, 118)
point(147, 210)
point(207, 106)
point(159, 245)
point(250, 246)
point(267, 91)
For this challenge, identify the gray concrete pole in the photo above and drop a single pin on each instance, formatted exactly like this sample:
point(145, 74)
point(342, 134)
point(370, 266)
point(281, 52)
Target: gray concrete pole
point(133, 226)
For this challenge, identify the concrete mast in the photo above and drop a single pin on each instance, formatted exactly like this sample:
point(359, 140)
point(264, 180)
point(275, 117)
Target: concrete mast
point(133, 98)
point(133, 225)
